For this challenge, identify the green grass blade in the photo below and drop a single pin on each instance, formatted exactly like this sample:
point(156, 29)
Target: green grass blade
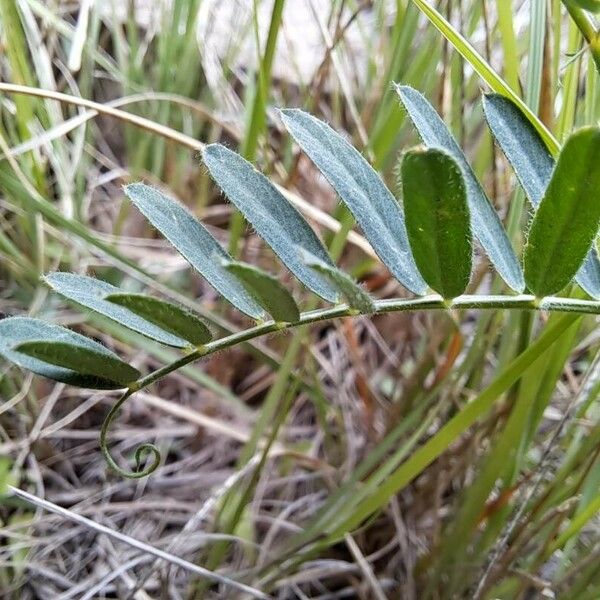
point(590, 5)
point(535, 57)
point(439, 443)
point(485, 71)
point(509, 43)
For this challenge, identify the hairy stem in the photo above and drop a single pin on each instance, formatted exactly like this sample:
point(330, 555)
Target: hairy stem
point(432, 302)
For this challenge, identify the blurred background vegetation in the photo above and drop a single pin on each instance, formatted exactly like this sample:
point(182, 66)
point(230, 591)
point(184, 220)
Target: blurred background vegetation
point(265, 442)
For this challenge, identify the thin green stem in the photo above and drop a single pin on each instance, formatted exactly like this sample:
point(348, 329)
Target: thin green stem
point(140, 452)
point(432, 302)
point(589, 30)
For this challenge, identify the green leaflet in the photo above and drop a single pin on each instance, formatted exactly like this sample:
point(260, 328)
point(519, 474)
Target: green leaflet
point(170, 317)
point(485, 223)
point(591, 5)
point(273, 217)
point(522, 145)
point(267, 291)
point(193, 241)
point(437, 219)
point(92, 294)
point(362, 190)
point(566, 222)
point(81, 359)
point(533, 165)
point(355, 296)
point(15, 331)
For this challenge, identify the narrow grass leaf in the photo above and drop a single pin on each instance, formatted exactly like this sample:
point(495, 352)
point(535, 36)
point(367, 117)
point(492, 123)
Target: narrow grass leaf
point(19, 330)
point(273, 217)
point(436, 445)
point(362, 190)
point(566, 223)
point(533, 165)
point(591, 5)
point(81, 359)
point(355, 296)
point(484, 69)
point(6, 477)
point(437, 219)
point(267, 291)
point(485, 223)
point(92, 293)
point(193, 241)
point(170, 317)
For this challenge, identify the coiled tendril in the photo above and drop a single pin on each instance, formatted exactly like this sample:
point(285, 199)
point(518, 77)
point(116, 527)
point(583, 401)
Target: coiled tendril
point(142, 451)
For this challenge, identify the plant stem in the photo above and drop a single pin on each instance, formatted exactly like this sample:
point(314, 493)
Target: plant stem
point(432, 302)
point(588, 29)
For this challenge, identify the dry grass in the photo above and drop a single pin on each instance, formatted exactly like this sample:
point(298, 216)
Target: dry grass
point(359, 380)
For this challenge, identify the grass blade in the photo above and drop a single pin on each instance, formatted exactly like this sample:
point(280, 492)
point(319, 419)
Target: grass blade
point(484, 70)
point(436, 445)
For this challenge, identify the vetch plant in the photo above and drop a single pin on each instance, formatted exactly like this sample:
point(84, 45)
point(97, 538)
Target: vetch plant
point(426, 241)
